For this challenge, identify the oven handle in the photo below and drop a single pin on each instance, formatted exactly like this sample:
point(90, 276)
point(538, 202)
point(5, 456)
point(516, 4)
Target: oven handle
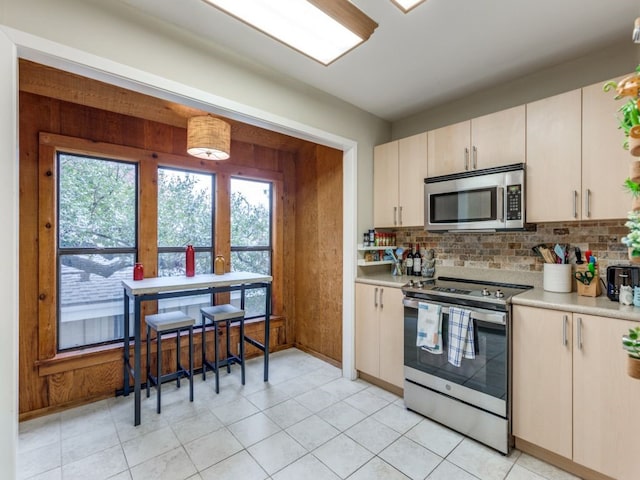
point(496, 318)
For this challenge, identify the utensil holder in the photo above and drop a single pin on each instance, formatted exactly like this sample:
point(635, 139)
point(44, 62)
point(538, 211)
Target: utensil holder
point(592, 289)
point(557, 277)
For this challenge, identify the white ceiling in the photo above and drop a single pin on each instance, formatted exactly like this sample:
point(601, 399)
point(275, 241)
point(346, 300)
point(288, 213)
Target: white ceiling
point(441, 50)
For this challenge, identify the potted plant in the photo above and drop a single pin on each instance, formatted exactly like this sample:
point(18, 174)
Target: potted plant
point(631, 343)
point(629, 117)
point(632, 239)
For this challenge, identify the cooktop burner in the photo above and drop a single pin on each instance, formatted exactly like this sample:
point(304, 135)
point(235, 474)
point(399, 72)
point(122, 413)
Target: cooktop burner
point(463, 291)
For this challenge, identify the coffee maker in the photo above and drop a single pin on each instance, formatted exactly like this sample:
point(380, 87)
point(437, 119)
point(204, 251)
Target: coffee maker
point(618, 275)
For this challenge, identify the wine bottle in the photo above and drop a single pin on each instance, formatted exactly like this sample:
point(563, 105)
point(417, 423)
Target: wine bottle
point(409, 262)
point(417, 262)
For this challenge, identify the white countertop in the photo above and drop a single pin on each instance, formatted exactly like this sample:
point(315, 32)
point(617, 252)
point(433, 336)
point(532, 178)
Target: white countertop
point(572, 302)
point(536, 297)
point(167, 284)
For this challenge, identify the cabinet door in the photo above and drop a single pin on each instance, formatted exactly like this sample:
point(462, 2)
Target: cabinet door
point(606, 399)
point(449, 149)
point(412, 172)
point(385, 185)
point(554, 128)
point(498, 138)
point(542, 388)
point(605, 164)
point(367, 331)
point(392, 336)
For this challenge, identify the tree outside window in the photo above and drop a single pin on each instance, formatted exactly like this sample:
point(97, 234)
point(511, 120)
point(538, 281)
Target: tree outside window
point(97, 209)
point(251, 233)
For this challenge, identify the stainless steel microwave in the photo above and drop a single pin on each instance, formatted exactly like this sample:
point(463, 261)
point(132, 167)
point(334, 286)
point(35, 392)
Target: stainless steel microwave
point(491, 199)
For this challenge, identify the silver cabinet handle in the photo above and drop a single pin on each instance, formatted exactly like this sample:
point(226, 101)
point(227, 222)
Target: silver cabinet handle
point(565, 322)
point(587, 202)
point(575, 204)
point(579, 333)
point(400, 222)
point(395, 215)
point(466, 158)
point(381, 291)
point(375, 298)
point(475, 157)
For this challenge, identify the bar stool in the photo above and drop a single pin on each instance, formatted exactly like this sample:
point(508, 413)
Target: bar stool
point(217, 314)
point(162, 323)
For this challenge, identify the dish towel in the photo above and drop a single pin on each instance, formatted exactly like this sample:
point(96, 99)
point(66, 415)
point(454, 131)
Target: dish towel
point(429, 327)
point(461, 336)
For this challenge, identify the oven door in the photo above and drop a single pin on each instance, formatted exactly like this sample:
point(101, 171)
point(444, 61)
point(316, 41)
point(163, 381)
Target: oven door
point(482, 381)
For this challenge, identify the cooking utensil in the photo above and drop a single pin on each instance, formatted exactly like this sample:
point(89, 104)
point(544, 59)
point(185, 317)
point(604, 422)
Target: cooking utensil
point(584, 277)
point(578, 256)
point(560, 252)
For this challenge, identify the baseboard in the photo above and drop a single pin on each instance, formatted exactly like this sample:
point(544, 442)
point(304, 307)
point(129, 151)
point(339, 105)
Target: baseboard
point(319, 355)
point(559, 461)
point(389, 387)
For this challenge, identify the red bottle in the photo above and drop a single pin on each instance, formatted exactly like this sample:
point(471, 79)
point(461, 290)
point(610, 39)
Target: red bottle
point(138, 272)
point(191, 261)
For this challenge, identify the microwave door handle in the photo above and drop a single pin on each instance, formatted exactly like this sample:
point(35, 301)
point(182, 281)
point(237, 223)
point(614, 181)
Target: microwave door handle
point(500, 206)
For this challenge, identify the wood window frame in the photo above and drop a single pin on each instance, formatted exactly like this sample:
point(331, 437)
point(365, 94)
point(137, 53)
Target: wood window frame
point(49, 360)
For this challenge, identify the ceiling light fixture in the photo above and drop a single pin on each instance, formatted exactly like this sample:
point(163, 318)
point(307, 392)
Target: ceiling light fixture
point(406, 5)
point(208, 137)
point(636, 31)
point(321, 29)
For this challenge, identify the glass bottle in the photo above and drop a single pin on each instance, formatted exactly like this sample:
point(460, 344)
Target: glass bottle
point(191, 261)
point(138, 271)
point(218, 265)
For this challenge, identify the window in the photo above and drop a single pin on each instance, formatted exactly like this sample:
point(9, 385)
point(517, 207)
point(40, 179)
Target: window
point(251, 226)
point(97, 247)
point(185, 217)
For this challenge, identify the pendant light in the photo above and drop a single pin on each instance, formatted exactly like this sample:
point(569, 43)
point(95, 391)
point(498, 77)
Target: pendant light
point(208, 137)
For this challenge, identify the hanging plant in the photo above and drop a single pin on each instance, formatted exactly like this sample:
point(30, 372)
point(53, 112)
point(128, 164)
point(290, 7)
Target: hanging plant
point(629, 112)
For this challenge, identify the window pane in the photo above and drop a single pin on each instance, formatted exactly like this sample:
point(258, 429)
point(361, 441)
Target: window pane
point(250, 213)
point(256, 262)
point(97, 203)
point(173, 263)
point(184, 208)
point(91, 305)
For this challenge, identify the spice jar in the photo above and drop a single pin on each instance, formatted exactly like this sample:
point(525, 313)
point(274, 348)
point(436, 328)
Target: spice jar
point(218, 265)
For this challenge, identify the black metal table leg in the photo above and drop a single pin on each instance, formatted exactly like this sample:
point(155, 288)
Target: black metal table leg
point(137, 362)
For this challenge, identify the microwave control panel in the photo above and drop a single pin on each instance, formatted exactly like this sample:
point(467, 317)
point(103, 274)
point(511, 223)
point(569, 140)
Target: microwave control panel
point(514, 202)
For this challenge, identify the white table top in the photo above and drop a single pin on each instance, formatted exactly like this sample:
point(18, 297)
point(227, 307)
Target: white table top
point(167, 284)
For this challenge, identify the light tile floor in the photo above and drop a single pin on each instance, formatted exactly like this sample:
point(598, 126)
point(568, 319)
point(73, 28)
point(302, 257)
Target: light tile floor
point(306, 422)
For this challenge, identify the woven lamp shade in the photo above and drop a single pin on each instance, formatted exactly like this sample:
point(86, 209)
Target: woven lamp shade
point(208, 137)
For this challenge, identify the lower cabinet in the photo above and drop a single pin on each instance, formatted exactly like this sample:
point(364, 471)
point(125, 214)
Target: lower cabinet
point(379, 332)
point(571, 393)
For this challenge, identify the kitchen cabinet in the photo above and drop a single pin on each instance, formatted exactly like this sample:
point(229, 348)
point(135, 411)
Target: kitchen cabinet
point(570, 370)
point(483, 142)
point(379, 332)
point(399, 170)
point(576, 165)
point(605, 164)
point(554, 135)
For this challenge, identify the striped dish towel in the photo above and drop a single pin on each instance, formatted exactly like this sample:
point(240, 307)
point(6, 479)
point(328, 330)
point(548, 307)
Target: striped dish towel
point(461, 336)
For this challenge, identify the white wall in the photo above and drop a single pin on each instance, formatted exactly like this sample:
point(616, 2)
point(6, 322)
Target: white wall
point(597, 66)
point(8, 261)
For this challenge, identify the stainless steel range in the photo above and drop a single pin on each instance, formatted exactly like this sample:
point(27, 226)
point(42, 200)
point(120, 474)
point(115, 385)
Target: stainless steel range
point(474, 397)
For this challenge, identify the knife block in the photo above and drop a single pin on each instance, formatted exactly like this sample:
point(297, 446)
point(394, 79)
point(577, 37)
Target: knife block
point(591, 290)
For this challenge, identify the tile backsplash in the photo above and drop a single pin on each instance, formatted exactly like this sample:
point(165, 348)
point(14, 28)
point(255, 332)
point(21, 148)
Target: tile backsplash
point(512, 250)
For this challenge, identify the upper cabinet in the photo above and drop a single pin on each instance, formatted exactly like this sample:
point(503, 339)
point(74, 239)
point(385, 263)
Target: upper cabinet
point(554, 128)
point(576, 165)
point(399, 170)
point(605, 164)
point(483, 142)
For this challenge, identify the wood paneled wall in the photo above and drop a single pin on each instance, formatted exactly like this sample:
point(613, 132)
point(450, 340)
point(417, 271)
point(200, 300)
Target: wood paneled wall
point(318, 259)
point(307, 280)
